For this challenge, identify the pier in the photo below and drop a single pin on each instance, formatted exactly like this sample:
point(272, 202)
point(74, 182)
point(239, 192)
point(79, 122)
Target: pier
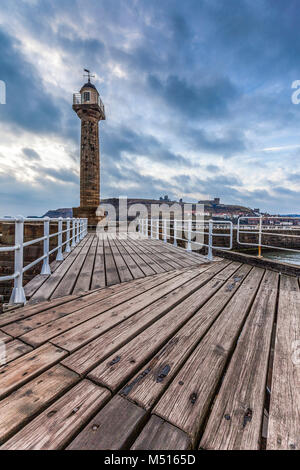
point(136, 344)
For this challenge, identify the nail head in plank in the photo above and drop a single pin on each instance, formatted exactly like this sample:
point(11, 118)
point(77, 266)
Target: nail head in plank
point(114, 427)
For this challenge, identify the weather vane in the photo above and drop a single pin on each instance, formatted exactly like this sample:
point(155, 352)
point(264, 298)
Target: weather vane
point(88, 75)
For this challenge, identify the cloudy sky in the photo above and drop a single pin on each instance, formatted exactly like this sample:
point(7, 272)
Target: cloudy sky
point(197, 96)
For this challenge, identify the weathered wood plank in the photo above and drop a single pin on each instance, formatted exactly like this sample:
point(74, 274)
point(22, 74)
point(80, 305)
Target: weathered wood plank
point(144, 267)
point(150, 382)
point(125, 361)
point(91, 329)
point(175, 255)
point(47, 289)
point(98, 276)
point(89, 356)
point(111, 272)
point(58, 326)
point(114, 427)
point(74, 303)
point(68, 281)
point(4, 338)
point(236, 418)
point(84, 278)
point(124, 273)
point(23, 404)
point(168, 260)
point(195, 384)
point(15, 349)
point(146, 259)
point(54, 428)
point(284, 413)
point(24, 312)
point(160, 435)
point(21, 370)
point(34, 284)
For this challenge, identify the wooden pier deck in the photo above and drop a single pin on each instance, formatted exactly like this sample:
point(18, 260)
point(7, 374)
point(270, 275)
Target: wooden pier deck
point(104, 260)
point(200, 356)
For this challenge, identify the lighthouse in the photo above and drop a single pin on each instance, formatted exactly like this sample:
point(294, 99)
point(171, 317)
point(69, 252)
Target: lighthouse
point(89, 108)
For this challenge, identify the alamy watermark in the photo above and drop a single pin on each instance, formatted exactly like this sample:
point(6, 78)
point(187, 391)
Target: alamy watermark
point(2, 92)
point(156, 219)
point(296, 95)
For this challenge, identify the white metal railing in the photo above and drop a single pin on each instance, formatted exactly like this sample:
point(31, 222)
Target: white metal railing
point(76, 230)
point(189, 227)
point(260, 229)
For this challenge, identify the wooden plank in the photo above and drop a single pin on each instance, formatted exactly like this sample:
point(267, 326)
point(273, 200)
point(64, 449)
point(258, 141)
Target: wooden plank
point(195, 384)
point(68, 281)
point(136, 259)
point(98, 277)
point(150, 382)
point(4, 338)
point(167, 259)
point(236, 418)
point(157, 257)
point(111, 272)
point(160, 435)
point(24, 404)
point(284, 413)
point(83, 282)
point(15, 349)
point(191, 257)
point(125, 361)
point(146, 259)
point(34, 284)
point(21, 370)
point(54, 428)
point(114, 427)
point(89, 356)
point(52, 282)
point(124, 273)
point(133, 263)
point(176, 255)
point(56, 327)
point(74, 303)
point(28, 310)
point(86, 332)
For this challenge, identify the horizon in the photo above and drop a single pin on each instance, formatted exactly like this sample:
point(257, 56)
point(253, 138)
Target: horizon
point(198, 97)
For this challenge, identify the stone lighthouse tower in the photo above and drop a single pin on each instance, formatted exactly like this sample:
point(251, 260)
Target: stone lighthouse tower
point(90, 110)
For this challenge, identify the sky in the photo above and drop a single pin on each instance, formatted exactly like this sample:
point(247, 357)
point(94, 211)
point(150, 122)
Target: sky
point(197, 97)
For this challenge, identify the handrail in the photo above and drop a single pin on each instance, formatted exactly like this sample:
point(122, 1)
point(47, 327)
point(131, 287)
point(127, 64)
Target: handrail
point(260, 230)
point(177, 225)
point(74, 235)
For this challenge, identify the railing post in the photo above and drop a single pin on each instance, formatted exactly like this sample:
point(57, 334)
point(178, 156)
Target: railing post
point(151, 228)
point(77, 231)
point(175, 232)
point(73, 233)
point(46, 266)
point(146, 227)
point(157, 229)
point(81, 237)
point(141, 228)
point(59, 256)
point(18, 295)
point(260, 236)
point(210, 240)
point(165, 230)
point(68, 236)
point(189, 245)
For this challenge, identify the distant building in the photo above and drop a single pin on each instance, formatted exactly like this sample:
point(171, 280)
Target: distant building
point(215, 201)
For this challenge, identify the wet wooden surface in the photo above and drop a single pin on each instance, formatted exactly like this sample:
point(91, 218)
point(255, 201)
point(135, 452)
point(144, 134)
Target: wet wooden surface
point(178, 359)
